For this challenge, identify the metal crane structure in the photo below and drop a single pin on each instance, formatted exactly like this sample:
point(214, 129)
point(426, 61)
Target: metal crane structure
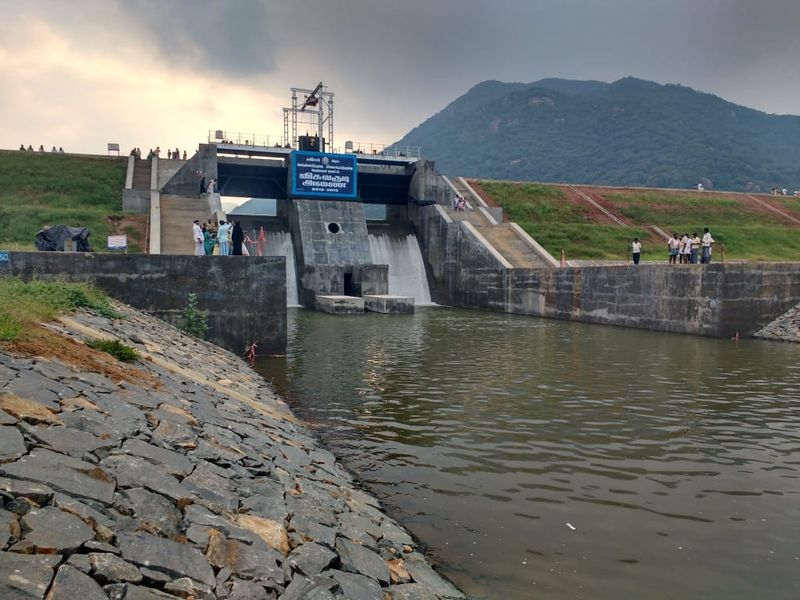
point(315, 109)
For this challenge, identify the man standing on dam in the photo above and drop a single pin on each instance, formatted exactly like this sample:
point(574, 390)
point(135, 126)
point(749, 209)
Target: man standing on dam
point(707, 243)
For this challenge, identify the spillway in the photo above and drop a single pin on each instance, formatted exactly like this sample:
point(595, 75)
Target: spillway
point(279, 243)
point(406, 270)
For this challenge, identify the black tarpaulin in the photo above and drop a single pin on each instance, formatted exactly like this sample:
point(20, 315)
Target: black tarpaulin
point(54, 238)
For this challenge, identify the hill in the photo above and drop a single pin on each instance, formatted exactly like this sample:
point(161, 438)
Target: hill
point(630, 132)
point(38, 189)
point(576, 219)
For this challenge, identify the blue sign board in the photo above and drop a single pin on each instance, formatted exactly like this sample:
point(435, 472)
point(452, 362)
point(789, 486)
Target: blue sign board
point(316, 174)
point(4, 257)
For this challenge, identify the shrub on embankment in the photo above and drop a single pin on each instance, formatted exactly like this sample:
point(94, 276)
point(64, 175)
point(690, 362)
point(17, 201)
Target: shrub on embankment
point(38, 189)
point(552, 216)
point(23, 305)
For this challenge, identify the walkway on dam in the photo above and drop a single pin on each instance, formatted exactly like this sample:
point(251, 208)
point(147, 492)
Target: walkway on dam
point(507, 238)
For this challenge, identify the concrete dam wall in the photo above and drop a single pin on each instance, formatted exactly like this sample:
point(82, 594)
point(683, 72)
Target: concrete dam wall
point(244, 298)
point(714, 300)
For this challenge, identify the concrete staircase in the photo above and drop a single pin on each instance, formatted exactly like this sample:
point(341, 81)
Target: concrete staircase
point(177, 214)
point(141, 175)
point(514, 249)
point(507, 238)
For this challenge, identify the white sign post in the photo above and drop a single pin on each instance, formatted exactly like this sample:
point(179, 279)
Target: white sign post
point(118, 242)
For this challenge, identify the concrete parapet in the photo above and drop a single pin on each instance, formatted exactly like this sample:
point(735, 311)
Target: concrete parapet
point(340, 305)
point(535, 246)
point(717, 300)
point(129, 172)
point(155, 222)
point(244, 297)
point(389, 305)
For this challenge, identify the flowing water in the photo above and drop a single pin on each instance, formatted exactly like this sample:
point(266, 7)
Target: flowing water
point(406, 269)
point(279, 243)
point(546, 459)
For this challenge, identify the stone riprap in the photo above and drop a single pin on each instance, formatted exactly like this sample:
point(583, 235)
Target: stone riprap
point(182, 475)
point(785, 328)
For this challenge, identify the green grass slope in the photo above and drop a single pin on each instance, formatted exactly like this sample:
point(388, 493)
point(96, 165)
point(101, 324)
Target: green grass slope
point(547, 213)
point(38, 189)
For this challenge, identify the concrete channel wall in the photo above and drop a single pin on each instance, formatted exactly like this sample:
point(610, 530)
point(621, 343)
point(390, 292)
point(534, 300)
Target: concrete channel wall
point(715, 300)
point(244, 297)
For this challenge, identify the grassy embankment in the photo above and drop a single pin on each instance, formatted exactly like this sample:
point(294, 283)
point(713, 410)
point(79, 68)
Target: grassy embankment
point(747, 232)
point(38, 189)
point(545, 213)
point(24, 305)
point(556, 224)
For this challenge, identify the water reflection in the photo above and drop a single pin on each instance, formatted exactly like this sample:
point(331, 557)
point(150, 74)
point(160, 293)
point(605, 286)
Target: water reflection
point(546, 459)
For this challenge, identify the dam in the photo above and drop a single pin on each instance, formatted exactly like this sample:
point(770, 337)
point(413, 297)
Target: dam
point(397, 234)
point(530, 456)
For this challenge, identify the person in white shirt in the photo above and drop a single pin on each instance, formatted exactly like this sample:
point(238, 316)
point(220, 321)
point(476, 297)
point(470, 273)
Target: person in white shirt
point(695, 248)
point(222, 237)
point(672, 247)
point(686, 249)
point(197, 234)
point(707, 242)
point(636, 250)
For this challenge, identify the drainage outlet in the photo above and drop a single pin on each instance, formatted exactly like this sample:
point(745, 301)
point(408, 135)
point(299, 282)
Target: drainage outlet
point(334, 227)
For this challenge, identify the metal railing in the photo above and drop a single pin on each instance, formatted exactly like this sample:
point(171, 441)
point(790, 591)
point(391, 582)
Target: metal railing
point(240, 138)
point(219, 136)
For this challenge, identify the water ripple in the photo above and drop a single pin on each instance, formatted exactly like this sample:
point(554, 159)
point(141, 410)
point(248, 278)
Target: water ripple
point(672, 458)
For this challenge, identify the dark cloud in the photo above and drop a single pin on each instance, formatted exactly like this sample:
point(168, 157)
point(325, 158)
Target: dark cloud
point(392, 64)
point(227, 37)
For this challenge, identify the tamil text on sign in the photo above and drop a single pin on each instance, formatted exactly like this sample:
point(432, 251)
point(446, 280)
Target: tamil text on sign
point(317, 174)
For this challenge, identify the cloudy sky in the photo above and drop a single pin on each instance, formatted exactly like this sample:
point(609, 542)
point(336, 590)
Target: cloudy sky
point(80, 73)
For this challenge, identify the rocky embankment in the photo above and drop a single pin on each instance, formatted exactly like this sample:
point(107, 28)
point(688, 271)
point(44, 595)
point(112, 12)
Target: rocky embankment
point(179, 475)
point(785, 328)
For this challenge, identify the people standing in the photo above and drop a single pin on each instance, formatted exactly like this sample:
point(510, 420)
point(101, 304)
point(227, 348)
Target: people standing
point(222, 238)
point(237, 238)
point(707, 242)
point(695, 248)
point(208, 240)
point(672, 248)
point(211, 186)
point(197, 235)
point(203, 184)
point(686, 249)
point(636, 250)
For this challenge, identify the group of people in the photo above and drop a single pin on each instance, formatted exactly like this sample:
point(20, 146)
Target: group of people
point(176, 155)
point(229, 237)
point(682, 249)
point(783, 192)
point(459, 203)
point(53, 150)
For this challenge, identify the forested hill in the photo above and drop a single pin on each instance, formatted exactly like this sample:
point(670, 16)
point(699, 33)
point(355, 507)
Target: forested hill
point(630, 132)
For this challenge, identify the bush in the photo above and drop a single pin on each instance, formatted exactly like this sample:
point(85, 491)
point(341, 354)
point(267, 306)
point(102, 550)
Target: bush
point(116, 349)
point(193, 321)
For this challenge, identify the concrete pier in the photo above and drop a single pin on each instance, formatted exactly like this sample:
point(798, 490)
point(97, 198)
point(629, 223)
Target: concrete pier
point(340, 305)
point(389, 305)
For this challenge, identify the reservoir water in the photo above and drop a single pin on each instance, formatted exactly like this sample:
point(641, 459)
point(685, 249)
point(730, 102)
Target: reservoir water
point(545, 459)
